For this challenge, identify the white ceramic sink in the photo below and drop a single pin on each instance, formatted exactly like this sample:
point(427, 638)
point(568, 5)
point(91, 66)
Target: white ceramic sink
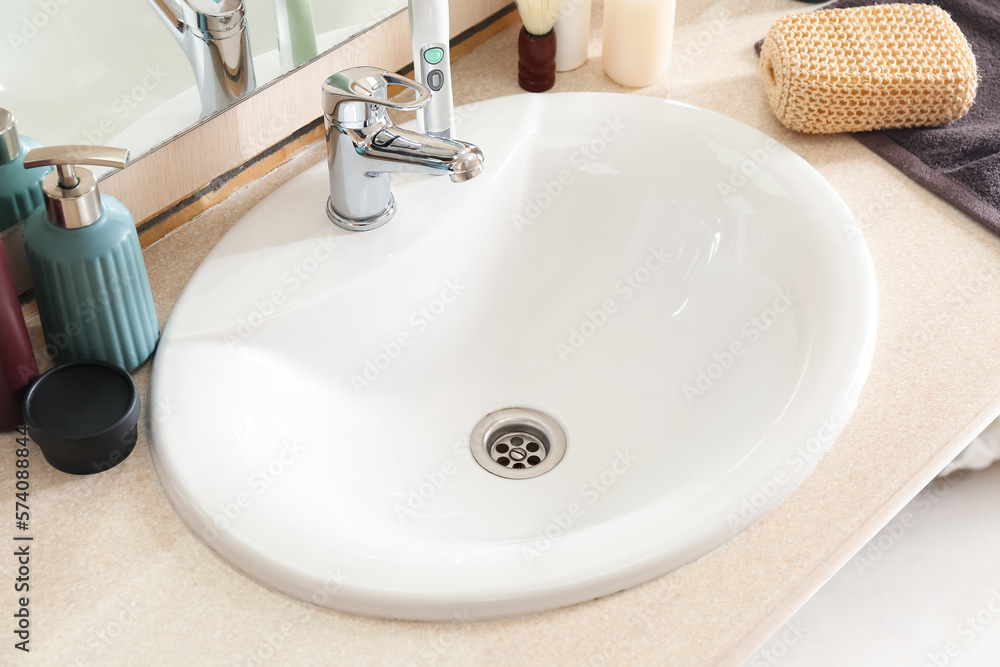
point(690, 300)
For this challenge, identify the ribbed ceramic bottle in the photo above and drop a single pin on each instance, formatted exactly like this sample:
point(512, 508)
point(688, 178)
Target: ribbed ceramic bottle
point(20, 188)
point(20, 194)
point(92, 289)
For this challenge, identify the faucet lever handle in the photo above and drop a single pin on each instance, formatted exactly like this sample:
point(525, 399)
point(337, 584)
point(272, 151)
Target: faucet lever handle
point(369, 85)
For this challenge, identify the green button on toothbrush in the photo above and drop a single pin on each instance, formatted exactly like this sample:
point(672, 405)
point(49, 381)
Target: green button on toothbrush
point(431, 66)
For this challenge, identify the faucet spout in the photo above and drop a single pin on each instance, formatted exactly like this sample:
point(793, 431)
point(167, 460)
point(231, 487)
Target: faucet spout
point(467, 164)
point(404, 151)
point(213, 35)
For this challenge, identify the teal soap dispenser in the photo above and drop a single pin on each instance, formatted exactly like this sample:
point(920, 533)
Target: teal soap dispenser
point(90, 279)
point(20, 188)
point(20, 194)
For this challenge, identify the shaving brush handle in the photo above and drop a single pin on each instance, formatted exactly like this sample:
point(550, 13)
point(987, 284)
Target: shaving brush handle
point(536, 61)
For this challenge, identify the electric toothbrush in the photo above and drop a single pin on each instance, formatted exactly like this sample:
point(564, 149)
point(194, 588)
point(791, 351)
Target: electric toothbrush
point(432, 65)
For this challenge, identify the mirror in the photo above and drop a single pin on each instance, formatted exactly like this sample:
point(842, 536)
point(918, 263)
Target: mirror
point(112, 73)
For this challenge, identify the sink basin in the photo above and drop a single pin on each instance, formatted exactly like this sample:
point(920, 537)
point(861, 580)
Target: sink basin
point(688, 300)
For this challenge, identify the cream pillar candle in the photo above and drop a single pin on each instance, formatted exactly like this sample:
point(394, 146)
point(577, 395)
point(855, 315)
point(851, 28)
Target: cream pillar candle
point(638, 35)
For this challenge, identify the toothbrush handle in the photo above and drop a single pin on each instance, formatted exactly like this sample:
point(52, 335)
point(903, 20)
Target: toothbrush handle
point(432, 65)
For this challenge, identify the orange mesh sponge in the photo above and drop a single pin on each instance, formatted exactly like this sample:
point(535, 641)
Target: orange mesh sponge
point(868, 68)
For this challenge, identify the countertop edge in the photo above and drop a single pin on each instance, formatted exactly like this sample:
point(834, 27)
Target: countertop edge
point(871, 527)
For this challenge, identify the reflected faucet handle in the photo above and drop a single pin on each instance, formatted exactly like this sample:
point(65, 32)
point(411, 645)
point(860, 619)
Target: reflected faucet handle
point(369, 87)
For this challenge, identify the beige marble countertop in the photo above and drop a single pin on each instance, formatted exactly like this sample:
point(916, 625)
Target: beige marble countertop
point(117, 578)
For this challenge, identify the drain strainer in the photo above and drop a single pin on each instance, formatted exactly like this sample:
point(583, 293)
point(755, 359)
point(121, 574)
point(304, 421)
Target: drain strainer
point(518, 443)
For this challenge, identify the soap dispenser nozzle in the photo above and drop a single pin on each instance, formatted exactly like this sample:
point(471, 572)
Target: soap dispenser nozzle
point(72, 198)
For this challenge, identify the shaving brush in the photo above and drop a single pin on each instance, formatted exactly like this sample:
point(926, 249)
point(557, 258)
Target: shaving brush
point(536, 44)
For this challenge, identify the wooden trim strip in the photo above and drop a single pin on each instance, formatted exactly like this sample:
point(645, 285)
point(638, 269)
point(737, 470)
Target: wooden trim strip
point(219, 189)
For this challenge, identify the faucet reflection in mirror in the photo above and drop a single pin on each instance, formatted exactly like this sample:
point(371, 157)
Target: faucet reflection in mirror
point(213, 35)
point(364, 147)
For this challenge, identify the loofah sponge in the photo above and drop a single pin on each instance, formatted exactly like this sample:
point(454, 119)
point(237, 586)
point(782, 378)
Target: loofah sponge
point(868, 68)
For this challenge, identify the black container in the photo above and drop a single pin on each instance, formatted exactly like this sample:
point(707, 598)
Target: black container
point(84, 416)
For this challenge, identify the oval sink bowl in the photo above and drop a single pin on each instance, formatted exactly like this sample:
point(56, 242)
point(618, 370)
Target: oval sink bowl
point(689, 302)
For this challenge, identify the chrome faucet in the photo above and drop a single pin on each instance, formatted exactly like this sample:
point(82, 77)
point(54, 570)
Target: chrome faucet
point(213, 35)
point(364, 147)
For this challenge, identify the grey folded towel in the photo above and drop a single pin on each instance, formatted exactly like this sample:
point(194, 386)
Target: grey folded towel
point(959, 161)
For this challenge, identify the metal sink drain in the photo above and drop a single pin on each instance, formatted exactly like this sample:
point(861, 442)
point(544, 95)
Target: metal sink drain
point(518, 443)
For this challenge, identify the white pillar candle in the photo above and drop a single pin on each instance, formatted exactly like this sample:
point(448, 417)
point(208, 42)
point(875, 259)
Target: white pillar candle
point(572, 34)
point(638, 35)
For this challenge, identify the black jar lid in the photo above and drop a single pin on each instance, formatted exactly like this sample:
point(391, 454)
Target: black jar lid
point(84, 416)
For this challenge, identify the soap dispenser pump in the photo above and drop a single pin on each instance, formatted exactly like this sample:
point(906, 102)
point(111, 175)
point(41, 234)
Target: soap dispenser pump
point(90, 279)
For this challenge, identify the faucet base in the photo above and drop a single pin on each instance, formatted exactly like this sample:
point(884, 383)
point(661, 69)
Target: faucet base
point(361, 224)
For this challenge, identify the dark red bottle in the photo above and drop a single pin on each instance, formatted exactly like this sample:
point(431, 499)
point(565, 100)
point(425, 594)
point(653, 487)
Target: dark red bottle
point(17, 361)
